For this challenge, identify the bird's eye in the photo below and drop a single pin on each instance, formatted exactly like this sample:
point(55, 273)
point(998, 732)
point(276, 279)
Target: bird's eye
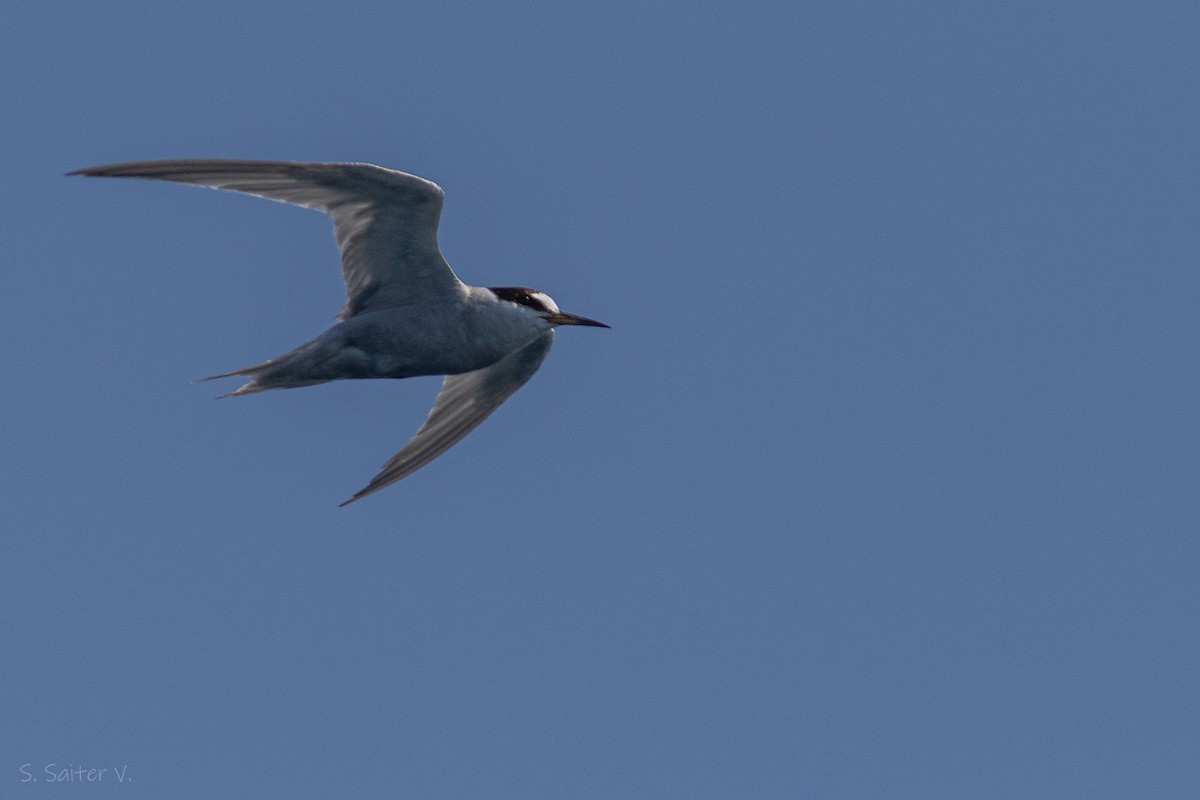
point(521, 296)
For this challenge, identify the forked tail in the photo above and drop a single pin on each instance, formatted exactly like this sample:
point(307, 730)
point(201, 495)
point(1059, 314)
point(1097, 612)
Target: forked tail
point(282, 372)
point(251, 386)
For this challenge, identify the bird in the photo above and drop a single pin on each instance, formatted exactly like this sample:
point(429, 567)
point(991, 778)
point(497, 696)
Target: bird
point(406, 314)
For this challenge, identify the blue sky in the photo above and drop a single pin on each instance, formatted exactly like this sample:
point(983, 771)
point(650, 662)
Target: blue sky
point(884, 482)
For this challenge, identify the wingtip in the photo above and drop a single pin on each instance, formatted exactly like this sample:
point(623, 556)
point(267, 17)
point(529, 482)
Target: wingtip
point(90, 172)
point(370, 488)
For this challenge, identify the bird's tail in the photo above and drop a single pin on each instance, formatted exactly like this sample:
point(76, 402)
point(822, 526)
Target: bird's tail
point(277, 373)
point(248, 388)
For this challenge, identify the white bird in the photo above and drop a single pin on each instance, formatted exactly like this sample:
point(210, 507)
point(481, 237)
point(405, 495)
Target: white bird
point(406, 312)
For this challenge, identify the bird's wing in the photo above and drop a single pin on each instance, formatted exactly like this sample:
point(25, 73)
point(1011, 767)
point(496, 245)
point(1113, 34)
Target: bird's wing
point(464, 401)
point(385, 221)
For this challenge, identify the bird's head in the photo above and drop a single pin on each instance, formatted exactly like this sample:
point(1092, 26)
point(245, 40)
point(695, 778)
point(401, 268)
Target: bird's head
point(541, 305)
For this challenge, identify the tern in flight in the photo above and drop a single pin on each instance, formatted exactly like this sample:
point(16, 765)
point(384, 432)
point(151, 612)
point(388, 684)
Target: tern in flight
point(406, 312)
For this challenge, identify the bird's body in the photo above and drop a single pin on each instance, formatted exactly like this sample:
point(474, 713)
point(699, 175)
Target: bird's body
point(403, 342)
point(406, 312)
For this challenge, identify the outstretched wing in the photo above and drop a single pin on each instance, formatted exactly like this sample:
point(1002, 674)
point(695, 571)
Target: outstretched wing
point(464, 401)
point(385, 221)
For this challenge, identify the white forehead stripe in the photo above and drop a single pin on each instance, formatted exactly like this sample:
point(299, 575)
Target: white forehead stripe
point(545, 298)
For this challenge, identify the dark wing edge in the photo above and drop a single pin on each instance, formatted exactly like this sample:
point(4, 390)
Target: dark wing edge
point(311, 185)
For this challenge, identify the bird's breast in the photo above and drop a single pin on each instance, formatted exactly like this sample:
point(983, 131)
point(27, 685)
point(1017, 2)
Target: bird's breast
point(407, 342)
